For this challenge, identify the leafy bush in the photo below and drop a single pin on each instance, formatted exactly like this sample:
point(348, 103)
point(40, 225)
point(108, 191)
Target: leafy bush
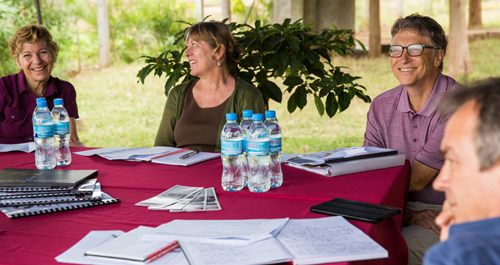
point(288, 51)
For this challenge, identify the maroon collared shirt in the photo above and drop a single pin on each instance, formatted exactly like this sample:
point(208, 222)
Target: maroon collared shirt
point(393, 124)
point(17, 104)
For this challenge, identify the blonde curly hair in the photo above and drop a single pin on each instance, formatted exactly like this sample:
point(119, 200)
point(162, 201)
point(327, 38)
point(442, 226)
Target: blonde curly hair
point(32, 34)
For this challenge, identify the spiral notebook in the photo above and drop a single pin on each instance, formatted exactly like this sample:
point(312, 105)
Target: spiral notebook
point(58, 198)
point(31, 210)
point(86, 187)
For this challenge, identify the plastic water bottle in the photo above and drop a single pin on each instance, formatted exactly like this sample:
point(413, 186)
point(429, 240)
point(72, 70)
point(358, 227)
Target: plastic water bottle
point(44, 137)
point(274, 148)
point(245, 127)
point(61, 133)
point(36, 108)
point(231, 153)
point(258, 156)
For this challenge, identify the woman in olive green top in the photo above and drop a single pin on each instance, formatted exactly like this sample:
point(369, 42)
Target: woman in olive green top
point(194, 114)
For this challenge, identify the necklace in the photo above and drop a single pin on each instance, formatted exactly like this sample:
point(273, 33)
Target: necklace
point(209, 88)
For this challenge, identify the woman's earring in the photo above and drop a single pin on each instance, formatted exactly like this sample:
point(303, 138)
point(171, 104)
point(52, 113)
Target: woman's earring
point(218, 63)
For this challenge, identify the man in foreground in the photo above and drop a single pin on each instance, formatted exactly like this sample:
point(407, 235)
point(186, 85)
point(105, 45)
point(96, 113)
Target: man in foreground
point(405, 118)
point(470, 178)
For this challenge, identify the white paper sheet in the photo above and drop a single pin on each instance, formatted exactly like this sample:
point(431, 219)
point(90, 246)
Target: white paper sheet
point(220, 231)
point(329, 239)
point(23, 147)
point(266, 251)
point(176, 161)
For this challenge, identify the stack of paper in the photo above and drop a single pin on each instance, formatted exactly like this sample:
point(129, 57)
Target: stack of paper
point(24, 147)
point(118, 247)
point(27, 192)
point(227, 242)
point(158, 154)
point(184, 199)
point(344, 161)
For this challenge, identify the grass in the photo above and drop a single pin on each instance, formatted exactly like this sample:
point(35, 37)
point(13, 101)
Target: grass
point(117, 111)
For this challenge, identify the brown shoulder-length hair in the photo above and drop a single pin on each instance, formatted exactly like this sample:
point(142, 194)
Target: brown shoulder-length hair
point(32, 34)
point(215, 33)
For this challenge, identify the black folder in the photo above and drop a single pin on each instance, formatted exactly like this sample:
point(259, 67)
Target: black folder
point(17, 177)
point(356, 210)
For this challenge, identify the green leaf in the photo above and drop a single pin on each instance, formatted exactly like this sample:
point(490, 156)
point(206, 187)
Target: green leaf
point(170, 82)
point(300, 97)
point(145, 72)
point(331, 105)
point(293, 81)
point(324, 91)
point(295, 65)
point(294, 42)
point(247, 76)
point(291, 106)
point(273, 91)
point(344, 101)
point(257, 25)
point(319, 105)
point(286, 23)
point(318, 72)
point(261, 76)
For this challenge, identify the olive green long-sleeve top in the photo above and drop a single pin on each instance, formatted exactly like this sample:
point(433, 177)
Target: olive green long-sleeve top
point(244, 97)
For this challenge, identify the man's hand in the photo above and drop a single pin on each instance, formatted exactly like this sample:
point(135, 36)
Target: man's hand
point(444, 220)
point(423, 218)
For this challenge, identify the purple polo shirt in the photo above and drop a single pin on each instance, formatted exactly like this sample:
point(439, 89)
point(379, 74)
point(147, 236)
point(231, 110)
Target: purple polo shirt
point(17, 104)
point(393, 124)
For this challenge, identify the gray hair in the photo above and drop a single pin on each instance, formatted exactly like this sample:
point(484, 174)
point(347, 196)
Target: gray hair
point(486, 96)
point(424, 26)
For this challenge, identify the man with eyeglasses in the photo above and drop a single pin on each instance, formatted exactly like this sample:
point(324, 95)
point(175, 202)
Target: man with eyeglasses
point(405, 118)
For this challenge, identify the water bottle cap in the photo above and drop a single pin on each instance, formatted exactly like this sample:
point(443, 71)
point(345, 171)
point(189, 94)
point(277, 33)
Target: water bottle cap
point(270, 114)
point(58, 101)
point(247, 113)
point(258, 117)
point(41, 103)
point(231, 116)
point(40, 99)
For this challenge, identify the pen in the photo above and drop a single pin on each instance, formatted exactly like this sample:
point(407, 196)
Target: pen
point(162, 251)
point(189, 154)
point(170, 153)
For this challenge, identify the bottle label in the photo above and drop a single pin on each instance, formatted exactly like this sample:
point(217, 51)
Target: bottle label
point(275, 145)
point(258, 148)
point(43, 130)
point(244, 144)
point(61, 128)
point(231, 147)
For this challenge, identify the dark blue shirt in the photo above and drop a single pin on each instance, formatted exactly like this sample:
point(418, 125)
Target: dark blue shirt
point(468, 243)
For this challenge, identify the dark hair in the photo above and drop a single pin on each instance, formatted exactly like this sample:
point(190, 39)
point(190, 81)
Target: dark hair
point(425, 26)
point(32, 34)
point(486, 96)
point(215, 33)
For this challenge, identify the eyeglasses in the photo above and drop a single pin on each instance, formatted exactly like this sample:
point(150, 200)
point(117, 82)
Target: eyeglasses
point(395, 51)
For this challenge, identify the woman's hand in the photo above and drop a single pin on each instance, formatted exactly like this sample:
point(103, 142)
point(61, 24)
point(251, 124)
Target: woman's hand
point(74, 141)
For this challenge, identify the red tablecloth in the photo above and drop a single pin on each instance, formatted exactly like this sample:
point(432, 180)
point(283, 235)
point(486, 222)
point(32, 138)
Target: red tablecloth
point(39, 239)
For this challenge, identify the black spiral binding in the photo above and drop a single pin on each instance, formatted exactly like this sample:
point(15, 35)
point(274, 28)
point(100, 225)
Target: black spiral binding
point(75, 207)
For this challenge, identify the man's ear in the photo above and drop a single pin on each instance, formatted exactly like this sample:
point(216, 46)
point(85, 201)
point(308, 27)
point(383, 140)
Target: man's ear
point(438, 58)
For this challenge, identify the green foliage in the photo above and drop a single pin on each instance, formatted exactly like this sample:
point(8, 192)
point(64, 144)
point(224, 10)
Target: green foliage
point(262, 10)
point(147, 26)
point(290, 52)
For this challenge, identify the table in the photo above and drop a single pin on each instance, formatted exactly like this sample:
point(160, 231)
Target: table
point(39, 239)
